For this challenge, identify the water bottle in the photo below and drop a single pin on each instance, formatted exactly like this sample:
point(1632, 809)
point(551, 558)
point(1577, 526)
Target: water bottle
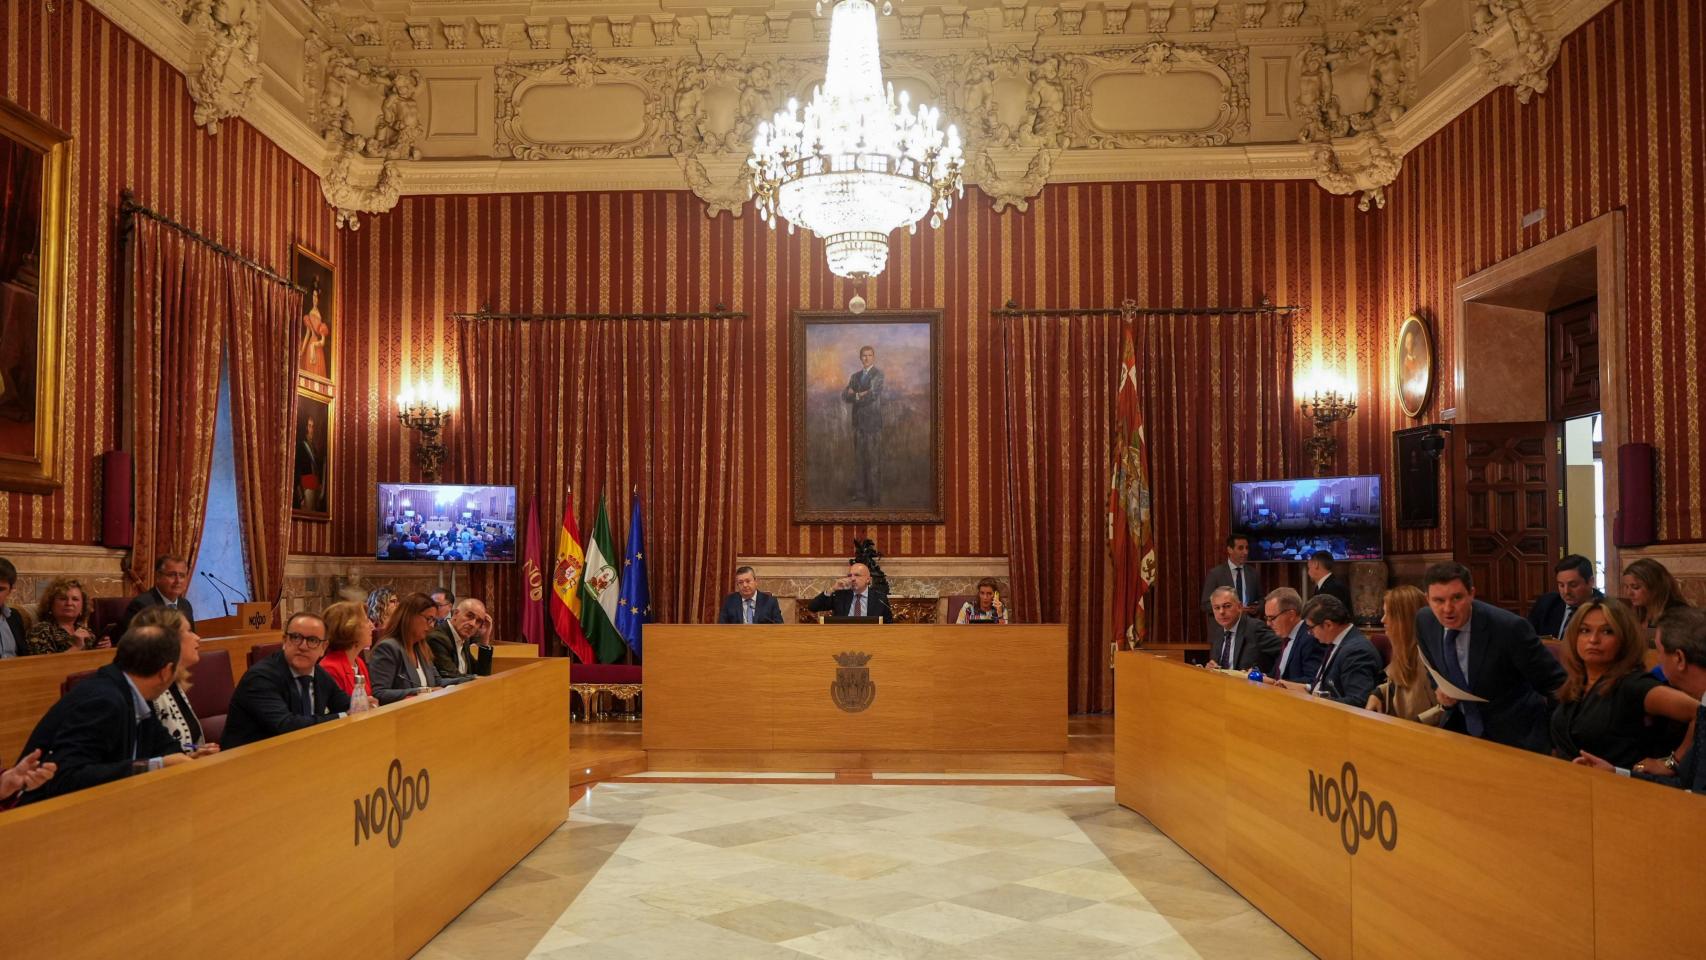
point(358, 698)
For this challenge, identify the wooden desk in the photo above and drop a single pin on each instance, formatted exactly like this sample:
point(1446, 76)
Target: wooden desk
point(30, 685)
point(257, 853)
point(508, 656)
point(1497, 852)
point(947, 698)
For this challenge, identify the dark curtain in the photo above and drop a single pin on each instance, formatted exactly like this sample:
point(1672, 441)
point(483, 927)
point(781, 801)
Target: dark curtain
point(186, 303)
point(604, 407)
point(1215, 392)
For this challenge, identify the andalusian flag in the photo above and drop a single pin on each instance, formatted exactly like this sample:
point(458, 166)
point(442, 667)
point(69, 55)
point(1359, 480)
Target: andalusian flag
point(1131, 526)
point(599, 590)
point(566, 585)
point(634, 607)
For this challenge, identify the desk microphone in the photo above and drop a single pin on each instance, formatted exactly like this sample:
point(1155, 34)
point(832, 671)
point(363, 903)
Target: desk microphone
point(218, 584)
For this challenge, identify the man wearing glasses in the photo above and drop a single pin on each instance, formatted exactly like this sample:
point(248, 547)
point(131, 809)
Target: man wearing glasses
point(1351, 668)
point(1302, 654)
point(286, 691)
point(462, 645)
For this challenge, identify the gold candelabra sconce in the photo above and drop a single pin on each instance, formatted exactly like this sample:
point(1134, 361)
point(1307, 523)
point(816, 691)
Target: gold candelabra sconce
point(1324, 405)
point(424, 410)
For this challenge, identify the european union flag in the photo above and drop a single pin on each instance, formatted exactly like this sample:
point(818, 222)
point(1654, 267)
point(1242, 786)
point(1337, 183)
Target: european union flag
point(634, 607)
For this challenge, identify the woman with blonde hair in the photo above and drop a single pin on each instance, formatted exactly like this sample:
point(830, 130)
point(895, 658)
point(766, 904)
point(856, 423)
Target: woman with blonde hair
point(173, 706)
point(1408, 690)
point(1651, 589)
point(348, 635)
point(1610, 707)
point(402, 662)
point(62, 621)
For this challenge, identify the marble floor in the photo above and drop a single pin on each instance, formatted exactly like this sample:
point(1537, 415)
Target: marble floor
point(754, 870)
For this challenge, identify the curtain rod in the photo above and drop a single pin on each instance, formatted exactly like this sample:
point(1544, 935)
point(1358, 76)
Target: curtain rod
point(719, 312)
point(1012, 309)
point(129, 209)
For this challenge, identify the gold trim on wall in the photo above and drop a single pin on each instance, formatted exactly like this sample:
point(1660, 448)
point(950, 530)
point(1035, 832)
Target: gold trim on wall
point(41, 472)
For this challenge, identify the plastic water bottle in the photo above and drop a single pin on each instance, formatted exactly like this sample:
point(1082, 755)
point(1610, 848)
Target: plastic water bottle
point(358, 699)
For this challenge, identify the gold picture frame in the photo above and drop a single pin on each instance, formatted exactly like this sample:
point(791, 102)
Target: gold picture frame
point(32, 386)
point(311, 456)
point(1413, 365)
point(317, 334)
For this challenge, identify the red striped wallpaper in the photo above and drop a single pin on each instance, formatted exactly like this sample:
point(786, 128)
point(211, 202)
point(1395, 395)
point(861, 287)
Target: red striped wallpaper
point(1623, 126)
point(130, 118)
point(1079, 245)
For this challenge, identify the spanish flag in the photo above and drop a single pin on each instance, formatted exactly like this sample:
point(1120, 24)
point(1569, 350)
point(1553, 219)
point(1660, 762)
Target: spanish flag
point(566, 585)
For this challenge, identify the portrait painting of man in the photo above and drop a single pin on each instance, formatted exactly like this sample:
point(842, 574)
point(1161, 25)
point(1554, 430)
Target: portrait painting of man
point(866, 430)
point(311, 473)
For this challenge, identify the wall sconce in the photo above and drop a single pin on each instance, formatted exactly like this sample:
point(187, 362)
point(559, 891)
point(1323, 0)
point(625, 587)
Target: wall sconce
point(1325, 401)
point(424, 410)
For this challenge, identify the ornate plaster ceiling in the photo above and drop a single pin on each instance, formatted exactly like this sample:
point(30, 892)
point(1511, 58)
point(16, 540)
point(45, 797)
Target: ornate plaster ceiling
point(385, 97)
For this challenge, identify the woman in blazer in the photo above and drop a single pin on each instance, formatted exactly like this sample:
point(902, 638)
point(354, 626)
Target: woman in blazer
point(402, 661)
point(349, 634)
point(1408, 691)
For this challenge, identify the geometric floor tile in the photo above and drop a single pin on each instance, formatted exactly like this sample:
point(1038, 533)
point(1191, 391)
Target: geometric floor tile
point(750, 871)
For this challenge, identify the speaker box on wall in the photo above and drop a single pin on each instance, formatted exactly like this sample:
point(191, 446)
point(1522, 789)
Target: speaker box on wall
point(1417, 471)
point(115, 499)
point(1635, 524)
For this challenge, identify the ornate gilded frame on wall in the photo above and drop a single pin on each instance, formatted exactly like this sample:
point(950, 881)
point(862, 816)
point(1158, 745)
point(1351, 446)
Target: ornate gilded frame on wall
point(38, 470)
point(1414, 365)
point(834, 434)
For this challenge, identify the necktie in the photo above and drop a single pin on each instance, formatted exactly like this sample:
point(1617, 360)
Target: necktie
point(1238, 582)
point(1225, 648)
point(1285, 654)
point(858, 605)
point(1455, 673)
point(1568, 613)
point(1321, 671)
point(306, 687)
point(748, 606)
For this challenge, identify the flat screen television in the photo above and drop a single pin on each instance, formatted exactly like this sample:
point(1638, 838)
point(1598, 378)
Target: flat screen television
point(446, 523)
point(1287, 520)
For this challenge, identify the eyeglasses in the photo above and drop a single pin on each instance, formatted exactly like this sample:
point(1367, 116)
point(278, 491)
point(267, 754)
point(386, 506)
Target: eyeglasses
point(1268, 619)
point(303, 640)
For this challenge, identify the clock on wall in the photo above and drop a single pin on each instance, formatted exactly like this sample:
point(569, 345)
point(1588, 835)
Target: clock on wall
point(1415, 365)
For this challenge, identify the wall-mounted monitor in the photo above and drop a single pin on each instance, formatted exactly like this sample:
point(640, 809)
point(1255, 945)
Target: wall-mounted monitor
point(446, 523)
point(1287, 520)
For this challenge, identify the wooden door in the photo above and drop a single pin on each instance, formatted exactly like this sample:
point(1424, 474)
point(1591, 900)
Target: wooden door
point(1505, 486)
point(1572, 344)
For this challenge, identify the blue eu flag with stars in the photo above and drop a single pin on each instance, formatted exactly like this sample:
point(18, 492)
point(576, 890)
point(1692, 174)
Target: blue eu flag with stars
point(634, 606)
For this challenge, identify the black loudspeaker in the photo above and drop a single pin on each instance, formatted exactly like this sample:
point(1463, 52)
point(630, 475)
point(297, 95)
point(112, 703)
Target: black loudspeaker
point(115, 499)
point(1635, 524)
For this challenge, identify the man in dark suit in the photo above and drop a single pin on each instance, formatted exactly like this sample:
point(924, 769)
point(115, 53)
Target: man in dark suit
point(286, 691)
point(1681, 639)
point(461, 646)
point(864, 397)
point(11, 621)
point(1302, 654)
point(854, 597)
point(1491, 653)
point(1240, 641)
point(1236, 573)
point(748, 604)
point(1550, 612)
point(105, 728)
point(1352, 667)
point(171, 580)
point(1326, 582)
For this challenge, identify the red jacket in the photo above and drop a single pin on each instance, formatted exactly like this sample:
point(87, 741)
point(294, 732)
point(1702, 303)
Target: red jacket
point(339, 667)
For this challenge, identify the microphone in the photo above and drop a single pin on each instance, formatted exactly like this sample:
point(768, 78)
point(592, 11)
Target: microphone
point(217, 585)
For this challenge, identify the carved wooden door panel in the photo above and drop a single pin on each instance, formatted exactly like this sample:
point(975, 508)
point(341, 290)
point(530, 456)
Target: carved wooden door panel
point(1505, 484)
point(1572, 343)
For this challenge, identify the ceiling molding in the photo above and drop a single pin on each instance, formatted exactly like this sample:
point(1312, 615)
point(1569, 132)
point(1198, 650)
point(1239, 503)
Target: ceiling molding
point(389, 37)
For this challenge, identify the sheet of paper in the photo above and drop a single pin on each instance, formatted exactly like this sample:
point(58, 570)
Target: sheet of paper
point(1450, 689)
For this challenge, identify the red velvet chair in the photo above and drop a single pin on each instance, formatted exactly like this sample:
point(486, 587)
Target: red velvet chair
point(955, 602)
point(73, 679)
point(1382, 644)
point(261, 651)
point(210, 692)
point(592, 681)
point(105, 614)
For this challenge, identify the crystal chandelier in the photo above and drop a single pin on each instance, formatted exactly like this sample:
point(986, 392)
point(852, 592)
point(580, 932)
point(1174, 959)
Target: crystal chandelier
point(857, 162)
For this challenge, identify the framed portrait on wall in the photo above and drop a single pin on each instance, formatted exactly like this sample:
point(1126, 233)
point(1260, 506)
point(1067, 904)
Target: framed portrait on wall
point(316, 333)
point(867, 434)
point(310, 455)
point(1415, 365)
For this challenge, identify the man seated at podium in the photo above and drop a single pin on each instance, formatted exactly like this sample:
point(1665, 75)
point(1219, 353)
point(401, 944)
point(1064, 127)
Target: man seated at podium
point(854, 597)
point(1240, 642)
point(286, 691)
point(171, 579)
point(748, 604)
point(1351, 668)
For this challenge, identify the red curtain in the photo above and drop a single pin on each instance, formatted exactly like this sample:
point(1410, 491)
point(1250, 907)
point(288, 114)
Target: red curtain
point(605, 406)
point(187, 304)
point(1216, 398)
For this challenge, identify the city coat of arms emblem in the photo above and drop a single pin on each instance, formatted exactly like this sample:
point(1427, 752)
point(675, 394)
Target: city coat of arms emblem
point(852, 690)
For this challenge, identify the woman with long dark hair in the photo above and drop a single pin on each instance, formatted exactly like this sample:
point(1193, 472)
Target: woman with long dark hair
point(402, 661)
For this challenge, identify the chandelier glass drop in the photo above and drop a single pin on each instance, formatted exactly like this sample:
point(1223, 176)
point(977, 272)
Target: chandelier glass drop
point(857, 162)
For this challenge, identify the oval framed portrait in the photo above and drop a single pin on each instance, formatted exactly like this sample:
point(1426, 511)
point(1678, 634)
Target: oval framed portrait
point(1415, 365)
